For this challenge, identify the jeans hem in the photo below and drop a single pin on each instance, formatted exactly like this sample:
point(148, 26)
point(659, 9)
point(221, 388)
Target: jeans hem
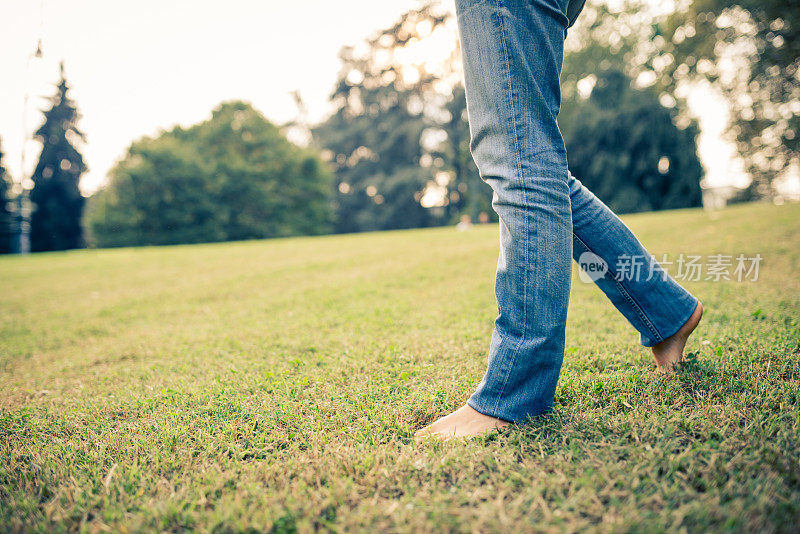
point(505, 417)
point(674, 329)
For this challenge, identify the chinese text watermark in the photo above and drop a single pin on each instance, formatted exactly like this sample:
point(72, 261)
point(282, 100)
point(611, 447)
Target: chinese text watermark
point(686, 267)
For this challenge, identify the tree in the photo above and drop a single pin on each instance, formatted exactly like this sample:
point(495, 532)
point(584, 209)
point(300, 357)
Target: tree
point(466, 193)
point(377, 155)
point(624, 146)
point(750, 51)
point(56, 219)
point(6, 212)
point(234, 176)
point(398, 140)
point(747, 50)
point(382, 94)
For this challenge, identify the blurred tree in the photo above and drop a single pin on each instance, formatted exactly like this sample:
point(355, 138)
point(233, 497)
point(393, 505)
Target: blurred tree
point(750, 50)
point(376, 156)
point(747, 51)
point(394, 114)
point(234, 176)
point(624, 146)
point(604, 38)
point(6, 210)
point(466, 193)
point(158, 194)
point(398, 140)
point(56, 219)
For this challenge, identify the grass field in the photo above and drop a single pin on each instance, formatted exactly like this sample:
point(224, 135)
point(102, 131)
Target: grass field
point(276, 385)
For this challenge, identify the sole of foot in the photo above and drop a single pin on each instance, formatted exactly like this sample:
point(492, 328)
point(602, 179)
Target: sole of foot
point(669, 353)
point(462, 423)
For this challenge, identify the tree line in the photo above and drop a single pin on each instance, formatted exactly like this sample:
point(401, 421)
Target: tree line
point(394, 153)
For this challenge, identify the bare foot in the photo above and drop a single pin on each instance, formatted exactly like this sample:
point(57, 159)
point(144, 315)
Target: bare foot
point(463, 422)
point(669, 352)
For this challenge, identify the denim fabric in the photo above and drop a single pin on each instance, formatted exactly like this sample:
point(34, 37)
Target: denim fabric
point(574, 8)
point(512, 54)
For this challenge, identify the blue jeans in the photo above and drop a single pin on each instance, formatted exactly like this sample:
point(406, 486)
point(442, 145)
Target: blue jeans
point(512, 53)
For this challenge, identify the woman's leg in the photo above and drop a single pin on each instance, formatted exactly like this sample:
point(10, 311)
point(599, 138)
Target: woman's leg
point(639, 288)
point(512, 51)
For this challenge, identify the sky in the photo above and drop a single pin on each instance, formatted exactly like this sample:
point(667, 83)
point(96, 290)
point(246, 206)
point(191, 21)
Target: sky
point(138, 67)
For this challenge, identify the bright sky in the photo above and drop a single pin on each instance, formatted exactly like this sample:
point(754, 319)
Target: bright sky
point(137, 67)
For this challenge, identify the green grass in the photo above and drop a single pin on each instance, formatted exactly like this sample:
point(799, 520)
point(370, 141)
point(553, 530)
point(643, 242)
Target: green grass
point(277, 385)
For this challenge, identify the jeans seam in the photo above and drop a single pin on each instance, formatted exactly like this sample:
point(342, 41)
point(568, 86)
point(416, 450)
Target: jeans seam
point(510, 106)
point(624, 292)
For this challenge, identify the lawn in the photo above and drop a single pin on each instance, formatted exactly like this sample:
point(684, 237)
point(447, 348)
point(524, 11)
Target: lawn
point(276, 385)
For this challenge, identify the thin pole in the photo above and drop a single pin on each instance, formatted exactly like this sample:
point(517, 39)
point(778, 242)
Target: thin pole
point(24, 206)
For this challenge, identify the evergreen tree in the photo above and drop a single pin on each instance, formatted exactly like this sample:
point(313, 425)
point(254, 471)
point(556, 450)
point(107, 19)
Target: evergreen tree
point(56, 219)
point(6, 212)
